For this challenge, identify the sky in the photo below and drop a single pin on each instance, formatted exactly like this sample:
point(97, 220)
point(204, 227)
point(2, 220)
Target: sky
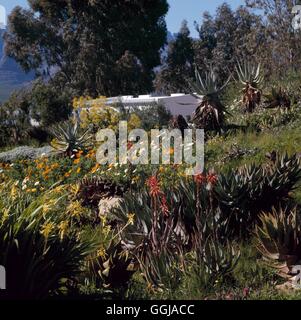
point(191, 10)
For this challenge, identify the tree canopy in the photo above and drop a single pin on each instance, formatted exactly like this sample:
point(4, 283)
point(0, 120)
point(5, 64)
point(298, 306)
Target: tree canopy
point(95, 47)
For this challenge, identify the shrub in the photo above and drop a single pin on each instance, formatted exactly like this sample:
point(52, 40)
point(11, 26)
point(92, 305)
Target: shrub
point(40, 250)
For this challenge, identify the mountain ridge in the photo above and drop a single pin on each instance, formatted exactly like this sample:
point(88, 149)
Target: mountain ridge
point(12, 77)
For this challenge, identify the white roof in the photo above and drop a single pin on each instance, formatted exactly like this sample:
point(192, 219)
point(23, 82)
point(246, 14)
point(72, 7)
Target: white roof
point(177, 103)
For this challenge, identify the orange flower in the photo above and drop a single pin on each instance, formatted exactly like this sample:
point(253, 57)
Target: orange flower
point(76, 161)
point(95, 168)
point(154, 186)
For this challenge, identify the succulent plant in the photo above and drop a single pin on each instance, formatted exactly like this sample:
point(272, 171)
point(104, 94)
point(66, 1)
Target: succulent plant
point(114, 268)
point(277, 98)
point(70, 138)
point(219, 259)
point(180, 123)
point(243, 194)
point(93, 189)
point(279, 239)
point(250, 76)
point(210, 114)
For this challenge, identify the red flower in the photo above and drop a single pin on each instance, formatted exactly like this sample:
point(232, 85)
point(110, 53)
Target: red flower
point(212, 178)
point(164, 206)
point(246, 292)
point(200, 178)
point(154, 187)
point(129, 145)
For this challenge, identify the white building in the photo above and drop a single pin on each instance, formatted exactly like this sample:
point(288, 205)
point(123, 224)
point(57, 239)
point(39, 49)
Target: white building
point(179, 103)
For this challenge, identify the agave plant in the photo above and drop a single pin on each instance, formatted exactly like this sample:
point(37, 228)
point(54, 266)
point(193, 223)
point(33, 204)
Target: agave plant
point(243, 194)
point(219, 259)
point(210, 114)
point(114, 268)
point(277, 98)
point(70, 138)
point(279, 239)
point(93, 189)
point(250, 76)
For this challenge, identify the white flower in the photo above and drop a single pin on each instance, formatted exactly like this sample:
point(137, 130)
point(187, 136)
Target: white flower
point(25, 181)
point(37, 183)
point(24, 187)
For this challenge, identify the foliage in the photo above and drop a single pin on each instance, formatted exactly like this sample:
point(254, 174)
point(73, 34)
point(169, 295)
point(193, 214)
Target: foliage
point(43, 255)
point(248, 191)
point(178, 65)
point(70, 39)
point(30, 111)
point(69, 139)
point(278, 98)
point(250, 76)
point(278, 238)
point(209, 115)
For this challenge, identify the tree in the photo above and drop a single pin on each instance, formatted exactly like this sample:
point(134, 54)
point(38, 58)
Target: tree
point(84, 45)
point(178, 65)
point(282, 50)
point(226, 38)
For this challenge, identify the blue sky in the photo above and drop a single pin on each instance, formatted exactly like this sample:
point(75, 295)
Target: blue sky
point(191, 10)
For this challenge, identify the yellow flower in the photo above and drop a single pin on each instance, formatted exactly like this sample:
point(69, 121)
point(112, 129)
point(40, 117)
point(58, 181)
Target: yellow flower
point(78, 170)
point(75, 209)
point(75, 189)
point(102, 253)
point(46, 208)
point(59, 189)
point(107, 230)
point(76, 161)
point(33, 190)
point(63, 227)
point(5, 215)
point(103, 219)
point(131, 218)
point(14, 192)
point(46, 229)
point(95, 168)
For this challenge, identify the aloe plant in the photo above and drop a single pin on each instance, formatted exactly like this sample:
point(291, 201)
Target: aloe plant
point(210, 114)
point(70, 138)
point(250, 76)
point(244, 193)
point(279, 238)
point(277, 98)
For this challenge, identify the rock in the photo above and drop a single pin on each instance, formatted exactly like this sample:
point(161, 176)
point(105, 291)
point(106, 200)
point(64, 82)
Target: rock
point(26, 152)
point(286, 287)
point(105, 205)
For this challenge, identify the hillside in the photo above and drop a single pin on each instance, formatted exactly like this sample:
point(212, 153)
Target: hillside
point(11, 75)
